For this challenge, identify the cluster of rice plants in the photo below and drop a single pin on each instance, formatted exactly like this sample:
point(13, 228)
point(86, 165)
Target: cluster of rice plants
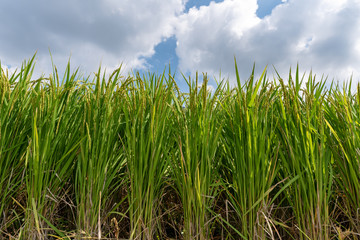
point(132, 157)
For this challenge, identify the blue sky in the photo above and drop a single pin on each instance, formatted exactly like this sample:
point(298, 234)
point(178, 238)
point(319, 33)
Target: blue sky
point(191, 35)
point(165, 53)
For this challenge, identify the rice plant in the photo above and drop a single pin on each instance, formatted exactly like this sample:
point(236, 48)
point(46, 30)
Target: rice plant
point(342, 115)
point(51, 151)
point(197, 137)
point(108, 156)
point(250, 155)
point(304, 155)
point(15, 126)
point(100, 157)
point(147, 142)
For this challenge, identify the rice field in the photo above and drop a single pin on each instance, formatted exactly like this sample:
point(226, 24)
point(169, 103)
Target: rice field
point(133, 157)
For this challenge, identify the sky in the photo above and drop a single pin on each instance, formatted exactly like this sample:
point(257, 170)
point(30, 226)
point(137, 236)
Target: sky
point(322, 36)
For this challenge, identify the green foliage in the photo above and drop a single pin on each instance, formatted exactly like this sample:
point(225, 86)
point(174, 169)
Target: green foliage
point(133, 157)
point(250, 153)
point(147, 142)
point(305, 155)
point(197, 133)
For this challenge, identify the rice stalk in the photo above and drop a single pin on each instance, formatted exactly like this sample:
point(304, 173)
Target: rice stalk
point(15, 126)
point(342, 117)
point(302, 133)
point(147, 142)
point(100, 158)
point(250, 154)
point(197, 137)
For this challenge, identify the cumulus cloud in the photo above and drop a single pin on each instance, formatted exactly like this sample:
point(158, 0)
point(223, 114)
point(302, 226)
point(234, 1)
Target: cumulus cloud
point(320, 35)
point(89, 31)
point(209, 35)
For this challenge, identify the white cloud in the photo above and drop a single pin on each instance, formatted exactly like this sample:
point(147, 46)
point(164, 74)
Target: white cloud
point(206, 35)
point(90, 31)
point(320, 35)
